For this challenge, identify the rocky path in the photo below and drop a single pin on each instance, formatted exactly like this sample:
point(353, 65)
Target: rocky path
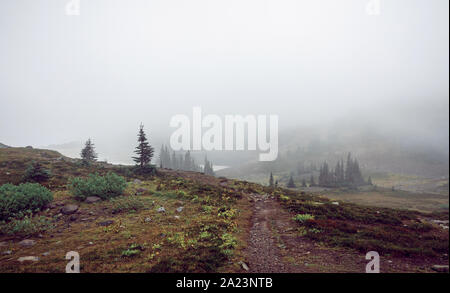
point(264, 255)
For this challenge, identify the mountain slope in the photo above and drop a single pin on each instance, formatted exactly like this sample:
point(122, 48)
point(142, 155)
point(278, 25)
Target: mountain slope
point(211, 224)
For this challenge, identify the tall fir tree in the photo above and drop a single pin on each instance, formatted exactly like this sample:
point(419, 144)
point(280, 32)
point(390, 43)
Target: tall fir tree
point(144, 150)
point(88, 154)
point(271, 180)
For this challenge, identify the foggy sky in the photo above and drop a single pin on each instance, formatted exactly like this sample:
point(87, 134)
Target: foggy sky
point(66, 78)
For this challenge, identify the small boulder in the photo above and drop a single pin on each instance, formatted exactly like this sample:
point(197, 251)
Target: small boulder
point(106, 223)
point(27, 243)
point(69, 209)
point(244, 265)
point(141, 190)
point(46, 253)
point(177, 217)
point(52, 206)
point(28, 258)
point(137, 181)
point(7, 252)
point(73, 218)
point(335, 203)
point(180, 209)
point(148, 220)
point(161, 210)
point(92, 199)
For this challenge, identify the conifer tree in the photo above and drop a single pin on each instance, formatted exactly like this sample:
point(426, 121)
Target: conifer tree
point(271, 180)
point(36, 173)
point(304, 183)
point(369, 181)
point(144, 151)
point(88, 154)
point(208, 168)
point(291, 183)
point(349, 170)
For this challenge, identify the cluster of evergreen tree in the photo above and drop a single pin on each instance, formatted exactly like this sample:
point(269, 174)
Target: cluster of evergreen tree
point(144, 153)
point(348, 175)
point(168, 159)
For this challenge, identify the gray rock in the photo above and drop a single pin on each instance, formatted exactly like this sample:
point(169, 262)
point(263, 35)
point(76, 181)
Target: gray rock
point(73, 218)
point(137, 181)
point(335, 203)
point(141, 190)
point(7, 252)
point(244, 265)
point(92, 199)
point(69, 209)
point(28, 258)
point(106, 223)
point(52, 206)
point(161, 210)
point(177, 217)
point(148, 220)
point(440, 268)
point(46, 253)
point(180, 209)
point(27, 243)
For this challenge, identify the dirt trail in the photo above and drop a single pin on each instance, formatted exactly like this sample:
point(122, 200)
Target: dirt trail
point(275, 247)
point(264, 255)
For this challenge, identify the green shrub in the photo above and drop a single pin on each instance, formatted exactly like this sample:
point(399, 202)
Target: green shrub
point(36, 173)
point(18, 200)
point(126, 204)
point(24, 227)
point(105, 187)
point(302, 218)
point(145, 170)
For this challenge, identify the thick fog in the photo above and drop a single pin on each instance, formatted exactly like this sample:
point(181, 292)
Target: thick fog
point(65, 78)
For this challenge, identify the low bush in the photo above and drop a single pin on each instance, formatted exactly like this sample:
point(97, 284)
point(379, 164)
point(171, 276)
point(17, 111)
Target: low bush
point(24, 227)
point(302, 218)
point(36, 173)
point(126, 204)
point(105, 187)
point(19, 200)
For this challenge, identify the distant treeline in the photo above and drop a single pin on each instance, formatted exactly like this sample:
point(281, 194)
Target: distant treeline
point(168, 159)
point(348, 175)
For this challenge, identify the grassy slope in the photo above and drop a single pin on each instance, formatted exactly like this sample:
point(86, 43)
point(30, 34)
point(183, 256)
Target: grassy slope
point(211, 233)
